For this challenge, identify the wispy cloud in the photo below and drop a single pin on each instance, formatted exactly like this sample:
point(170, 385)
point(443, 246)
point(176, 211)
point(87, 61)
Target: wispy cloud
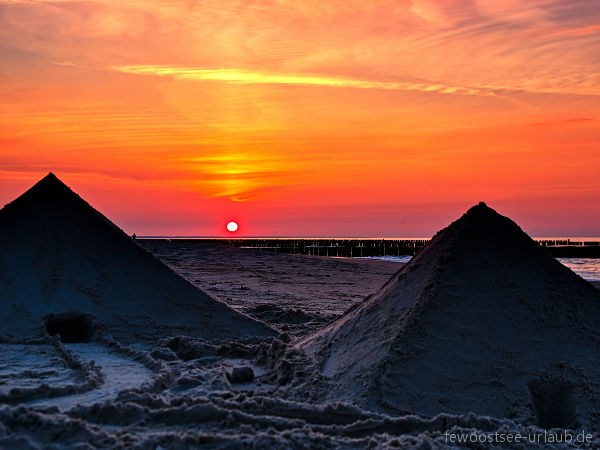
point(250, 77)
point(574, 120)
point(241, 76)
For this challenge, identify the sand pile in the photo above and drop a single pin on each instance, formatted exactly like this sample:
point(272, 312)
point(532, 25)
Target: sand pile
point(59, 255)
point(483, 320)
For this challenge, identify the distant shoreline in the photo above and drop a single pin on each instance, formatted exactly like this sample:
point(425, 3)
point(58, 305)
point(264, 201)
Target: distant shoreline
point(358, 238)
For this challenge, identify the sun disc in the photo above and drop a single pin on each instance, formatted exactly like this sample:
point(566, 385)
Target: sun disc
point(232, 226)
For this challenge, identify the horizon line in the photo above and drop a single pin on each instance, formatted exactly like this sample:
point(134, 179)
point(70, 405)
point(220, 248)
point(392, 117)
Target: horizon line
point(571, 238)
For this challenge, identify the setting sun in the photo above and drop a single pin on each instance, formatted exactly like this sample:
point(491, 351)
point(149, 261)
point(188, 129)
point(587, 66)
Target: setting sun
point(232, 226)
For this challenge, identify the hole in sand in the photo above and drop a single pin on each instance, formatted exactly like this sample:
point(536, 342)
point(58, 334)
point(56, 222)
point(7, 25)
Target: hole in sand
point(71, 326)
point(553, 402)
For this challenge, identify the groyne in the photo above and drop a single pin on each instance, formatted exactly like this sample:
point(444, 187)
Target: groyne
point(393, 247)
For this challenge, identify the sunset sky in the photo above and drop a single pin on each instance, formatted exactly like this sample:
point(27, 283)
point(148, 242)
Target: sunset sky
point(332, 118)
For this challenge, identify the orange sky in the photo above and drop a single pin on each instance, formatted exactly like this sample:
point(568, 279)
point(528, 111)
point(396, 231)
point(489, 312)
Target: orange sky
point(347, 118)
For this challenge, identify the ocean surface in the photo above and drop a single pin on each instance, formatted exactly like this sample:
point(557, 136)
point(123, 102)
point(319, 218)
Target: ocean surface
point(586, 268)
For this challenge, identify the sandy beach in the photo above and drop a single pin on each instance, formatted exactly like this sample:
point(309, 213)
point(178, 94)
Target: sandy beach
point(295, 293)
point(201, 407)
point(179, 394)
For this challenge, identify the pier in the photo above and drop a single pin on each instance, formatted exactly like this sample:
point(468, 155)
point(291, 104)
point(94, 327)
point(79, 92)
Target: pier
point(393, 247)
point(567, 248)
point(348, 248)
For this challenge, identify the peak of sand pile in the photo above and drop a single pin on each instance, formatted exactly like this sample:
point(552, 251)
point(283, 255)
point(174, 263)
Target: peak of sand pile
point(482, 320)
point(60, 255)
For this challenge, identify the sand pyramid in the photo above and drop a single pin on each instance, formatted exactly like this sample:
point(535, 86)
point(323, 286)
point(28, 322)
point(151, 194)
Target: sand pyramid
point(482, 320)
point(58, 254)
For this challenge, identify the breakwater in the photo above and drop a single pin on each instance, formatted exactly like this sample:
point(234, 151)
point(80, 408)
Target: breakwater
point(393, 247)
point(336, 247)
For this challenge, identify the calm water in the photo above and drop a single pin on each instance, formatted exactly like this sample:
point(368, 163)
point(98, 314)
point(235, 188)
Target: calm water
point(586, 268)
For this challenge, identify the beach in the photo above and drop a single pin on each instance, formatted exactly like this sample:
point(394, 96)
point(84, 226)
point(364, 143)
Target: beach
point(197, 405)
point(268, 284)
point(295, 293)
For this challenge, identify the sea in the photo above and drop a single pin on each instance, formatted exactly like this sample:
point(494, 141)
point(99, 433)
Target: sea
point(586, 268)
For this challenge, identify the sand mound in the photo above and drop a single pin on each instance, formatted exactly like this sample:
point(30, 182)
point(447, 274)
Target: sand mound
point(60, 256)
point(483, 320)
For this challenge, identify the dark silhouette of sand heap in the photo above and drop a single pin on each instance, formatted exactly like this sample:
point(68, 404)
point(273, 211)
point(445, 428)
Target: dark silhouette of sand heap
point(63, 262)
point(482, 320)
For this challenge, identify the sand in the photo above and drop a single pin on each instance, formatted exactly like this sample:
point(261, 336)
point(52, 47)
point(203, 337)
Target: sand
point(194, 405)
point(296, 294)
point(483, 320)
